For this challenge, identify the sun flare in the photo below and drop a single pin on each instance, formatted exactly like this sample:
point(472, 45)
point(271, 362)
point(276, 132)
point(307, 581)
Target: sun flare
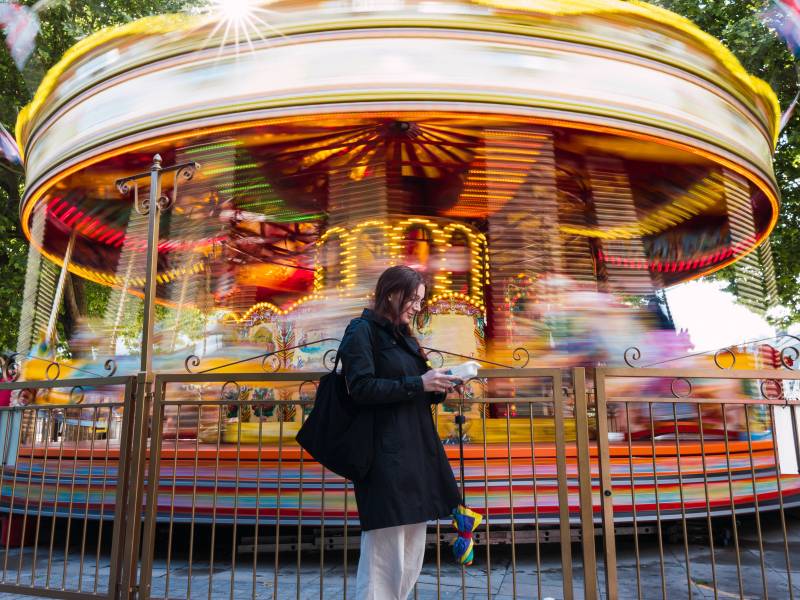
point(243, 22)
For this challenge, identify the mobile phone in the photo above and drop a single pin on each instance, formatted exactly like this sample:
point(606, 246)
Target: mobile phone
point(464, 371)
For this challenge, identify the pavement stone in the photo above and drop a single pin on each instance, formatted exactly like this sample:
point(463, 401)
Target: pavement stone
point(505, 580)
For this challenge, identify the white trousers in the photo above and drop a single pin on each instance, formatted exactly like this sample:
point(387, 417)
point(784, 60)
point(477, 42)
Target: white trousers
point(390, 562)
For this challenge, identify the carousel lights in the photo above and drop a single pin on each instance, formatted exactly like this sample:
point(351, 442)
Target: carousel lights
point(215, 146)
point(113, 280)
point(441, 238)
point(678, 266)
point(504, 182)
point(269, 307)
point(95, 229)
point(699, 197)
point(457, 297)
point(229, 169)
point(246, 188)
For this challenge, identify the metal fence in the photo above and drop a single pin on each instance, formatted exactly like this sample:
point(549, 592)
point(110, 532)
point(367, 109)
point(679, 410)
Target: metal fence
point(629, 483)
point(62, 479)
point(264, 509)
point(726, 495)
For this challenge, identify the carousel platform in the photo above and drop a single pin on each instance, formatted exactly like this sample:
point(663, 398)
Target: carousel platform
point(226, 482)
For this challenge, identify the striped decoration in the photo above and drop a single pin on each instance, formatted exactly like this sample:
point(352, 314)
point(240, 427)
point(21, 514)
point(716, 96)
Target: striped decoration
point(251, 493)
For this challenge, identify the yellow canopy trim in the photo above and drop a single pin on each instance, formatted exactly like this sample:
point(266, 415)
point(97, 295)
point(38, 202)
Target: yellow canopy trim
point(663, 16)
point(155, 25)
point(170, 23)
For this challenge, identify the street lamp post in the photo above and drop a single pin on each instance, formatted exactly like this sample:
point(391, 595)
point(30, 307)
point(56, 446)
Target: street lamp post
point(152, 206)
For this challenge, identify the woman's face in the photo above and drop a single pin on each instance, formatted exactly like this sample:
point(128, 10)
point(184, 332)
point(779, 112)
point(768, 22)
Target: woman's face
point(412, 306)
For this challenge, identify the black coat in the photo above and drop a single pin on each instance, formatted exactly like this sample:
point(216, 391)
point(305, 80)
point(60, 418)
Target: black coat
point(410, 480)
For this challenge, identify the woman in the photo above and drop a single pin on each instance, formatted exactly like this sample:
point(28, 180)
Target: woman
point(410, 481)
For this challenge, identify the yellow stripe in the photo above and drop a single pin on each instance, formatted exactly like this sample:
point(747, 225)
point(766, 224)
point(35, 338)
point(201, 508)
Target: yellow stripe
point(163, 24)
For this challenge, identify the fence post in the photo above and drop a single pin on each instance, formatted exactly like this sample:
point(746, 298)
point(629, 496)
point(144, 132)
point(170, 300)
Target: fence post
point(606, 492)
point(119, 570)
point(153, 477)
point(132, 469)
point(585, 485)
point(563, 487)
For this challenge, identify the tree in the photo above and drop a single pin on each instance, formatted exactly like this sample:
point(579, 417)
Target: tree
point(13, 260)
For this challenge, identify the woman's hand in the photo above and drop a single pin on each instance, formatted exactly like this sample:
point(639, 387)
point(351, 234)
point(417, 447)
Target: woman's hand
point(437, 380)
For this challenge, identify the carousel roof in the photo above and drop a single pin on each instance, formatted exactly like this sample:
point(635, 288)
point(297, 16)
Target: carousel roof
point(419, 89)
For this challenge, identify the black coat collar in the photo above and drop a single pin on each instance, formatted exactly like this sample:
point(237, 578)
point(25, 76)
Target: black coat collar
point(383, 322)
point(371, 315)
point(396, 332)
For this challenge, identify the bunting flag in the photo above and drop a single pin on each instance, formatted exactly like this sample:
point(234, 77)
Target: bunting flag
point(21, 25)
point(8, 148)
point(784, 17)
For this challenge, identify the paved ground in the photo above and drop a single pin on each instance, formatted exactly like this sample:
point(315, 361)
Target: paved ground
point(518, 578)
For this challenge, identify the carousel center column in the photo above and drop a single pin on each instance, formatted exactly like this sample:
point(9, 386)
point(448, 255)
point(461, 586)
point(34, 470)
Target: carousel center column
point(524, 243)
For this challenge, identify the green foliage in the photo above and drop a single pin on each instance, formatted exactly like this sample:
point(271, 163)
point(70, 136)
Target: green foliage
point(95, 298)
point(13, 260)
point(173, 328)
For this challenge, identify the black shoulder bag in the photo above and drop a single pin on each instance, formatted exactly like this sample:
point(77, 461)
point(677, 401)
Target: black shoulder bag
point(337, 433)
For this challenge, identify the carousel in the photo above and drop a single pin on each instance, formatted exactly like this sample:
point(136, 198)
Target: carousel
point(549, 166)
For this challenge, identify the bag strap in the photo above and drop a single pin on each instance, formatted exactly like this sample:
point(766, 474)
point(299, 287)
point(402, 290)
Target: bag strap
point(336, 366)
point(338, 357)
point(336, 362)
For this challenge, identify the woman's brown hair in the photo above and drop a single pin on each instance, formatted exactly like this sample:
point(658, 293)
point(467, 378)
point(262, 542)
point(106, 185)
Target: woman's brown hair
point(400, 281)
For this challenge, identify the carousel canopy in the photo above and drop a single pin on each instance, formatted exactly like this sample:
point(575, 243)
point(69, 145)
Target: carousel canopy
point(637, 141)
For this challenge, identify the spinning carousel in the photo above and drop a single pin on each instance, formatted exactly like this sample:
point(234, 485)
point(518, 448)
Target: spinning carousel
point(523, 156)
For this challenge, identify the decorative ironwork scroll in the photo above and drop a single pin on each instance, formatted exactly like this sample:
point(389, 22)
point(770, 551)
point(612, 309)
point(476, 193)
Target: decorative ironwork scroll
point(718, 354)
point(631, 356)
point(520, 355)
point(11, 367)
point(194, 361)
point(790, 354)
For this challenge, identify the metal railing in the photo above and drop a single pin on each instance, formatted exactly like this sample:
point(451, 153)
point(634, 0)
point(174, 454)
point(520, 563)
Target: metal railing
point(62, 479)
point(725, 495)
point(263, 508)
point(194, 487)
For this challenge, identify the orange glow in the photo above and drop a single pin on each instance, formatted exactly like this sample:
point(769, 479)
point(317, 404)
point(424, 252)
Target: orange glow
point(39, 193)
